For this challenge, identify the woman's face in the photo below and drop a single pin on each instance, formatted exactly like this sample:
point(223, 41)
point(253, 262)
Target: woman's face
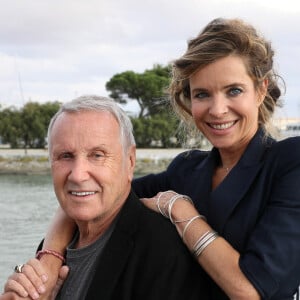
point(225, 103)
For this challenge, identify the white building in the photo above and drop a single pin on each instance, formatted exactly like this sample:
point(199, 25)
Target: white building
point(288, 127)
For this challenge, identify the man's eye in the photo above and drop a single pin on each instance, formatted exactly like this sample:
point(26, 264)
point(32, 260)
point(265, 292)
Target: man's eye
point(235, 91)
point(65, 155)
point(97, 155)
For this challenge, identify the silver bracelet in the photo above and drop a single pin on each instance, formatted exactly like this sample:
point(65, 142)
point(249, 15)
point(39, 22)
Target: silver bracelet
point(207, 238)
point(158, 204)
point(166, 210)
point(190, 221)
point(173, 200)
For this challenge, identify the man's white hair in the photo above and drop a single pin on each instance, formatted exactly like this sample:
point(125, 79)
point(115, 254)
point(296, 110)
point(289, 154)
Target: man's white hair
point(98, 104)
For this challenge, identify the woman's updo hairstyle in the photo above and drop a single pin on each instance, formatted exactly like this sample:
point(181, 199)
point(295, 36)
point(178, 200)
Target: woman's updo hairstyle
point(221, 38)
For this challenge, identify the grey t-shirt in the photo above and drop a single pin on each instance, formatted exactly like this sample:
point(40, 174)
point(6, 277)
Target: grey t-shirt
point(82, 264)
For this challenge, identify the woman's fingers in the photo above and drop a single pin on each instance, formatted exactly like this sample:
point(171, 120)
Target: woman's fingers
point(29, 282)
point(11, 296)
point(36, 271)
point(150, 203)
point(61, 279)
point(20, 284)
point(160, 202)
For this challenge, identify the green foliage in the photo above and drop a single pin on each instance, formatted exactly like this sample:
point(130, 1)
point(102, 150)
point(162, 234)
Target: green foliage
point(27, 127)
point(159, 130)
point(147, 88)
point(10, 126)
point(154, 126)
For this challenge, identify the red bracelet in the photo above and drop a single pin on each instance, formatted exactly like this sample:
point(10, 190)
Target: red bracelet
point(52, 252)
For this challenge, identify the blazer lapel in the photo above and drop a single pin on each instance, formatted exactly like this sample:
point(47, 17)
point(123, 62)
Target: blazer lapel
point(233, 188)
point(229, 193)
point(199, 186)
point(115, 255)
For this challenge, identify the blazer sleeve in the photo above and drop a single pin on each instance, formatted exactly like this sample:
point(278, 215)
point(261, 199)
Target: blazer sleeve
point(171, 179)
point(272, 256)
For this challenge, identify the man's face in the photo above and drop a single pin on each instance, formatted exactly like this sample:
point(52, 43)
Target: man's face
point(91, 172)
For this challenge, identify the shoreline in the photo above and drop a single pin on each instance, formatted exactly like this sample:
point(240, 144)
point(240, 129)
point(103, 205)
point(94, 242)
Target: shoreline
point(35, 161)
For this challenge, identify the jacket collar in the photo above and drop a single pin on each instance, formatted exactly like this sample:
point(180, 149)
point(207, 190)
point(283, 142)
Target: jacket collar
point(228, 194)
point(115, 255)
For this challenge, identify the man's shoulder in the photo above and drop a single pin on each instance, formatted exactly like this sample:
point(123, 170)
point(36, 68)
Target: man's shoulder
point(148, 227)
point(158, 228)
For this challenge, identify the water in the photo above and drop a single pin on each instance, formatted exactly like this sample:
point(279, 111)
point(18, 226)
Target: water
point(27, 203)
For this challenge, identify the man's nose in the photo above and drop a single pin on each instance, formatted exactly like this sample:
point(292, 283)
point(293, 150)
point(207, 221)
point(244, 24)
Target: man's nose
point(80, 170)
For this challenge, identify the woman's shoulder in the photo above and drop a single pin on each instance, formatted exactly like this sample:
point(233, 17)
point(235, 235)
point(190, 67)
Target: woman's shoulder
point(289, 145)
point(182, 165)
point(190, 157)
point(286, 150)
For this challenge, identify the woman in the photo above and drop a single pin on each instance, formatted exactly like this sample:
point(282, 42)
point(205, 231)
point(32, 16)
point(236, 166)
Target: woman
point(247, 186)
point(246, 189)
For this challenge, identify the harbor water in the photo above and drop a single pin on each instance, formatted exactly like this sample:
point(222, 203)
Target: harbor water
point(27, 203)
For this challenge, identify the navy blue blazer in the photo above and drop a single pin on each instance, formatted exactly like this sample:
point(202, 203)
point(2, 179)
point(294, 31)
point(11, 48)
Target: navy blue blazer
point(256, 208)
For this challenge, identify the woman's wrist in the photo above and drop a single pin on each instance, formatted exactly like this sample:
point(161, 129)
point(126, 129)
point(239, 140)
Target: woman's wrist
point(54, 253)
point(183, 210)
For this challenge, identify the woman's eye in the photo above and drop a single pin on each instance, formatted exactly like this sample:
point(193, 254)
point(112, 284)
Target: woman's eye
point(201, 95)
point(235, 91)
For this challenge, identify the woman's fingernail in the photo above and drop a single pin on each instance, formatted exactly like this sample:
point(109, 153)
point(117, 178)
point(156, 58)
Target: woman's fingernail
point(35, 296)
point(25, 294)
point(42, 289)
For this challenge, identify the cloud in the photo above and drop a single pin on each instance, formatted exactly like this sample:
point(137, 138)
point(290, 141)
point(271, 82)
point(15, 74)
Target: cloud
point(59, 48)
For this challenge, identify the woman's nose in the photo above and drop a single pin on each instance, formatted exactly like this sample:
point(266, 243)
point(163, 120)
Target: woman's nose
point(218, 106)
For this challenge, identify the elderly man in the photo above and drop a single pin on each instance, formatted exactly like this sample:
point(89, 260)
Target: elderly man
point(117, 251)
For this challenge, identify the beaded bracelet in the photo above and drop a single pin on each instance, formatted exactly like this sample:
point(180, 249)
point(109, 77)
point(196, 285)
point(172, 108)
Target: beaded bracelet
point(51, 252)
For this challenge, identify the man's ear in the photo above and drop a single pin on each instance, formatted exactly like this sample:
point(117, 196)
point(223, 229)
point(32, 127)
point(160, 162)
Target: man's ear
point(131, 156)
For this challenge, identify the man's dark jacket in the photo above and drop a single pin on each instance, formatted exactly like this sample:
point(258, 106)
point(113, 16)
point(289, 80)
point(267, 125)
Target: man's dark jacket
point(145, 259)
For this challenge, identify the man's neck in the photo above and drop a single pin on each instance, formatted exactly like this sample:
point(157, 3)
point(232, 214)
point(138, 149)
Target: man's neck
point(90, 232)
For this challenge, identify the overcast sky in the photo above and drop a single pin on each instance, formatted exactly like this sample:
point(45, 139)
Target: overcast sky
point(59, 49)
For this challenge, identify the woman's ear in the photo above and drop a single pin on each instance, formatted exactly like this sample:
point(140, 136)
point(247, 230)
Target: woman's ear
point(263, 89)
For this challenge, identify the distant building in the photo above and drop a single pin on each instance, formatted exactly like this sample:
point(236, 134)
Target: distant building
point(288, 127)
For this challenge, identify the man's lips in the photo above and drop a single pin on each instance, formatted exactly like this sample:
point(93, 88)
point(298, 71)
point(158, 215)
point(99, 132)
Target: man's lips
point(82, 194)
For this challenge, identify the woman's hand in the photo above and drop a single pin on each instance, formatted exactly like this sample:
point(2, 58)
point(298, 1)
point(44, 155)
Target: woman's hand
point(176, 207)
point(12, 296)
point(160, 202)
point(30, 282)
point(34, 282)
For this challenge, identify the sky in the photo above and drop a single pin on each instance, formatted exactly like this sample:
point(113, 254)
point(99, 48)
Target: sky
point(56, 50)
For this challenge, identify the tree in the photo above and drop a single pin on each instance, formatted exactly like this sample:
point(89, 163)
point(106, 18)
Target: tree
point(147, 88)
point(10, 126)
point(27, 127)
point(35, 119)
point(159, 130)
